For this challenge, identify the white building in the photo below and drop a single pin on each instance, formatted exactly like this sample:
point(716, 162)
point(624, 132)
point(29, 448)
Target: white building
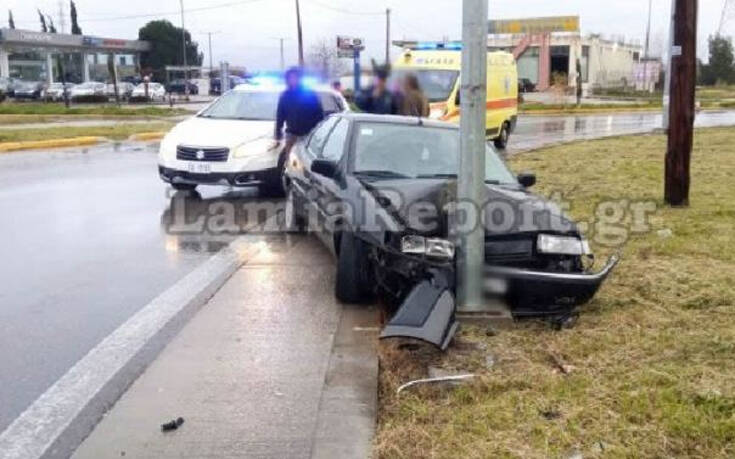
point(541, 57)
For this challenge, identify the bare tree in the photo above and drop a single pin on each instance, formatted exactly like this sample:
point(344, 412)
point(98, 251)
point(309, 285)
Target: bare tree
point(324, 61)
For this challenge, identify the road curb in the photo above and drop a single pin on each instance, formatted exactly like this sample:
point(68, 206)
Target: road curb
point(50, 143)
point(147, 136)
point(56, 423)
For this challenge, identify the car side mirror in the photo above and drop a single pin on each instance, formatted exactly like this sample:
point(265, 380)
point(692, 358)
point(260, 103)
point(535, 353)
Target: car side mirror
point(527, 179)
point(324, 167)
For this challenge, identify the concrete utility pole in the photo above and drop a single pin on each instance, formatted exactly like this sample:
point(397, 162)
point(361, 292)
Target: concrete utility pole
point(183, 48)
point(300, 36)
point(387, 36)
point(471, 180)
point(683, 74)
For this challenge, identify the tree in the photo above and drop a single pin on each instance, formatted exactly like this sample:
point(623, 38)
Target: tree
point(11, 22)
point(51, 26)
point(43, 22)
point(75, 29)
point(165, 39)
point(324, 60)
point(720, 68)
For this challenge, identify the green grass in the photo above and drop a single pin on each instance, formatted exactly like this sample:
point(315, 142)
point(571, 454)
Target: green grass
point(652, 355)
point(98, 110)
point(530, 107)
point(116, 132)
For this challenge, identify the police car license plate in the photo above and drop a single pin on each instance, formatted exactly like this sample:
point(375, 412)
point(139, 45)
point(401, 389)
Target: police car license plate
point(199, 168)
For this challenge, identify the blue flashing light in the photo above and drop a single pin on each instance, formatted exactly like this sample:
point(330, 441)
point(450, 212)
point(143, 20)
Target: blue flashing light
point(433, 45)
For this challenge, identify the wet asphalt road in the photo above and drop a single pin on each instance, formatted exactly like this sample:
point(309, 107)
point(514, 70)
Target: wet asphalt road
point(84, 244)
point(538, 131)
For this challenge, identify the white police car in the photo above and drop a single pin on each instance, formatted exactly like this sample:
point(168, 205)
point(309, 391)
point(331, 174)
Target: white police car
point(231, 141)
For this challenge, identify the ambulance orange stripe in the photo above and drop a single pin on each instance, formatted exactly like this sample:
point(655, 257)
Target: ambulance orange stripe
point(491, 105)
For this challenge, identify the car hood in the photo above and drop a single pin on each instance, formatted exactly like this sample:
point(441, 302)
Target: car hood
point(509, 210)
point(198, 131)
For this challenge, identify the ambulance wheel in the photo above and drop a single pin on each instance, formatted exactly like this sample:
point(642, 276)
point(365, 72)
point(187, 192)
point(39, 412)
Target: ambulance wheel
point(501, 142)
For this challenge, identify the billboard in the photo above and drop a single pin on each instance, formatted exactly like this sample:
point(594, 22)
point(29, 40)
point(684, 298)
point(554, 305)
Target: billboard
point(534, 25)
point(348, 46)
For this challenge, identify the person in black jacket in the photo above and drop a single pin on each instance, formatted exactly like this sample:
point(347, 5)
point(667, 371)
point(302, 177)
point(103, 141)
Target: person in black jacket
point(299, 109)
point(378, 98)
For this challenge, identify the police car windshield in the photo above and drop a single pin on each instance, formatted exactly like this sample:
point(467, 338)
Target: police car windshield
point(437, 85)
point(389, 151)
point(239, 105)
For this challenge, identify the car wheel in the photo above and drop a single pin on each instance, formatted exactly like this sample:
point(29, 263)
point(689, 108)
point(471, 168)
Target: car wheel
point(184, 186)
point(353, 276)
point(501, 141)
point(293, 221)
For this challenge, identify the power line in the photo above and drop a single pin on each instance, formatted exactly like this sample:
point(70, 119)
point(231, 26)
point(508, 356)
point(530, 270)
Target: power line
point(343, 11)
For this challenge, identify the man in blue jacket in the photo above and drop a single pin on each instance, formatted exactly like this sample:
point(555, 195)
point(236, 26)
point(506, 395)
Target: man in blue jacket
point(299, 109)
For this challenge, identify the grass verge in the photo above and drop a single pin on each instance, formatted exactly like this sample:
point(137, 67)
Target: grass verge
point(649, 367)
point(32, 108)
point(117, 132)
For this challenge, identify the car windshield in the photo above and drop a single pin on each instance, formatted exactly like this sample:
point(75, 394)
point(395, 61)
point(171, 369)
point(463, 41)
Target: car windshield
point(244, 105)
point(437, 85)
point(384, 151)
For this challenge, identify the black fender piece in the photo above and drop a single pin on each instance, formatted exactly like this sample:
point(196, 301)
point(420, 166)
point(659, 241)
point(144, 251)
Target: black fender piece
point(427, 314)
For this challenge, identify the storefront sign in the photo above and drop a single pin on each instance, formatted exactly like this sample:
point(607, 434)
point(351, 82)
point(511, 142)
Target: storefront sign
point(534, 25)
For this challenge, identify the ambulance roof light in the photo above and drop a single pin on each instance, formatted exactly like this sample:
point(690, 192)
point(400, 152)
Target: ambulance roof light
point(439, 45)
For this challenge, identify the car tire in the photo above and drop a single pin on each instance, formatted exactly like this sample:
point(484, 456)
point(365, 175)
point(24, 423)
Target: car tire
point(293, 221)
point(501, 142)
point(353, 276)
point(184, 186)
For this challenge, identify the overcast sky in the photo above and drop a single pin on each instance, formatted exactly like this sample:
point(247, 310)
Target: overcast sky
point(246, 30)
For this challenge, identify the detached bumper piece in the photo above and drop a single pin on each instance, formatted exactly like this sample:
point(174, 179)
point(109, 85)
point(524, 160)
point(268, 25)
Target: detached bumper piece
point(255, 178)
point(537, 293)
point(427, 314)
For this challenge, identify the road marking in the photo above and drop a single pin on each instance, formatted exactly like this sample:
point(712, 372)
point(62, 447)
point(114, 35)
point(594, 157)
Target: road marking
point(41, 424)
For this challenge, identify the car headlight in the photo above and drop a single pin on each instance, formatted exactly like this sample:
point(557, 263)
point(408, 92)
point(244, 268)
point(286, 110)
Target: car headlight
point(168, 146)
point(419, 245)
point(562, 245)
point(437, 113)
point(257, 147)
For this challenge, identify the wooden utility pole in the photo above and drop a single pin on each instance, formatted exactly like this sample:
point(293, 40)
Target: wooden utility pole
point(300, 37)
point(683, 55)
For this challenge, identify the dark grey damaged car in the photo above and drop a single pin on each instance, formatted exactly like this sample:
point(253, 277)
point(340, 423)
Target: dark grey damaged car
point(379, 192)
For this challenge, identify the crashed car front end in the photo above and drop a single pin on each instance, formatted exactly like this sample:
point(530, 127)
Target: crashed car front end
point(537, 275)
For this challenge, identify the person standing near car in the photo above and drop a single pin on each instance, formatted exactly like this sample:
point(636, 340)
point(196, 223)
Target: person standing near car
point(299, 109)
point(413, 103)
point(378, 98)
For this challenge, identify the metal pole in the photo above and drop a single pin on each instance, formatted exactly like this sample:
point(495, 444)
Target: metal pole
point(471, 181)
point(357, 71)
point(387, 36)
point(667, 80)
point(211, 65)
point(283, 59)
point(645, 53)
point(183, 48)
point(681, 117)
point(299, 32)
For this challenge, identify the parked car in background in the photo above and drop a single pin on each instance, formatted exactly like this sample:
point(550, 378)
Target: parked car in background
point(180, 86)
point(135, 80)
point(4, 85)
point(215, 84)
point(124, 89)
point(55, 91)
point(32, 90)
point(526, 85)
point(11, 84)
point(156, 91)
point(90, 90)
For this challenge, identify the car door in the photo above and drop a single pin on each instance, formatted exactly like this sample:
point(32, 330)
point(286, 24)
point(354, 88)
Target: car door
point(325, 190)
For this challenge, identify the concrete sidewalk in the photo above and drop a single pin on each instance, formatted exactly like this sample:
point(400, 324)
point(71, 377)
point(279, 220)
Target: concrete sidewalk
point(272, 366)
